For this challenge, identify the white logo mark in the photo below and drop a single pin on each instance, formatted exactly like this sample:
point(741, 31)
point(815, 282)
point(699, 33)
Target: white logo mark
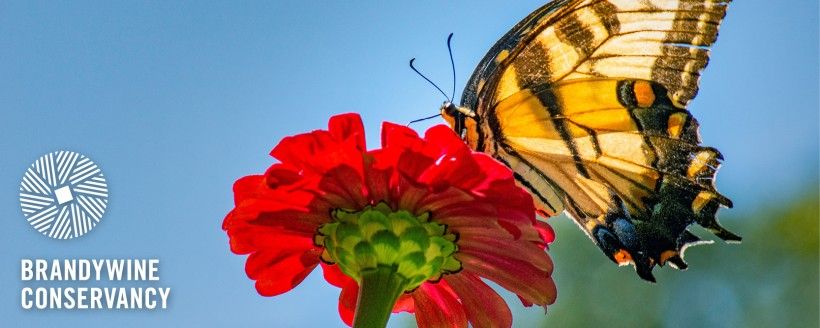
point(63, 195)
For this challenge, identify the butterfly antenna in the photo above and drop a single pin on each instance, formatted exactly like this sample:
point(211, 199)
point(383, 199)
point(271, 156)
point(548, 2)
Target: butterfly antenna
point(428, 80)
point(452, 64)
point(423, 119)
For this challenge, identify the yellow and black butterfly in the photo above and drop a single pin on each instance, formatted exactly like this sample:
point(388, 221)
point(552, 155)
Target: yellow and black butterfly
point(586, 101)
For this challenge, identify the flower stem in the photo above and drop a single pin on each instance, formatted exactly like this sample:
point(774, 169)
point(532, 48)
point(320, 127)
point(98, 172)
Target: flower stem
point(380, 288)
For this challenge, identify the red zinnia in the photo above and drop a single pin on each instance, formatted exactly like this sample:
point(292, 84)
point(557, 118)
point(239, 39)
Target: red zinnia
point(428, 213)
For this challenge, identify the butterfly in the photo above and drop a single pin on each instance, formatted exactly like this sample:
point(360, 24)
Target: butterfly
point(586, 101)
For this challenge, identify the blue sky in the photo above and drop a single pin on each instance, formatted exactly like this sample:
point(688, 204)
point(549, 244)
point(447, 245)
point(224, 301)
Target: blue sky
point(175, 100)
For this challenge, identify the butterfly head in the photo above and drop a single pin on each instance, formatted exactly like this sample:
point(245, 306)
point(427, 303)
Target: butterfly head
point(458, 116)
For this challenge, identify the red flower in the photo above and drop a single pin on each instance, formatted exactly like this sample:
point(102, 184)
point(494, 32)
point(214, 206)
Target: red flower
point(481, 222)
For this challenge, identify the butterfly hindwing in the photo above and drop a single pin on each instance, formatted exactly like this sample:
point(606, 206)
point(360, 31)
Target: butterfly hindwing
point(625, 161)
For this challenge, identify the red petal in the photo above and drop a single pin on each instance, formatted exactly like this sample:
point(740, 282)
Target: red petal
point(525, 302)
point(254, 216)
point(545, 231)
point(277, 272)
point(281, 175)
point(520, 277)
point(511, 228)
point(507, 249)
point(247, 187)
point(378, 183)
point(405, 303)
point(446, 138)
point(254, 189)
point(344, 187)
point(449, 199)
point(335, 276)
point(437, 306)
point(250, 238)
point(347, 302)
point(297, 221)
point(258, 221)
point(413, 164)
point(301, 150)
point(399, 136)
point(344, 126)
point(317, 152)
point(484, 307)
point(407, 195)
point(509, 196)
point(492, 167)
point(455, 162)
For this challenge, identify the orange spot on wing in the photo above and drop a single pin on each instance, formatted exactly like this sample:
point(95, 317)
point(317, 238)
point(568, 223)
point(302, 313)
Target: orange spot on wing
point(622, 257)
point(666, 255)
point(644, 93)
point(675, 124)
point(502, 55)
point(701, 200)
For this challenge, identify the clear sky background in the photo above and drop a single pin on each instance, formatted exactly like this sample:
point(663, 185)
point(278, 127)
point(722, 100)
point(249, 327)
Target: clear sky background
point(176, 100)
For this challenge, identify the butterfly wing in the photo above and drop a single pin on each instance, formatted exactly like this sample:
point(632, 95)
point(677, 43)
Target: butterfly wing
point(666, 41)
point(586, 101)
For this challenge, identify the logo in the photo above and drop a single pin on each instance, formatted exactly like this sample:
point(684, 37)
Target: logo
point(63, 195)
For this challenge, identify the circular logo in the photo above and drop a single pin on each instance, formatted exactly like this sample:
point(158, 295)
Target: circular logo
point(63, 195)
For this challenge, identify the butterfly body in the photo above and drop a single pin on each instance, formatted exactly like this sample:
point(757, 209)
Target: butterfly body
point(586, 101)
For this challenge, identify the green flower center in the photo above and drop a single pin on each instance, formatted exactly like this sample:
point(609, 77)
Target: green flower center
point(379, 237)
